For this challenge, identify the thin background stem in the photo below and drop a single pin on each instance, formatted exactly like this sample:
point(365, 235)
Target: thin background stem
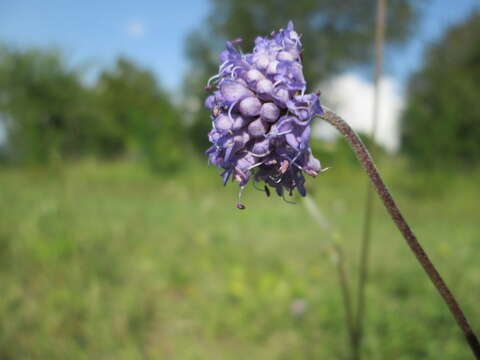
point(368, 217)
point(369, 166)
point(339, 261)
point(346, 296)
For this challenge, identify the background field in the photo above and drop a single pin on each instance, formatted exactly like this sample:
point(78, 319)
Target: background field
point(119, 242)
point(106, 261)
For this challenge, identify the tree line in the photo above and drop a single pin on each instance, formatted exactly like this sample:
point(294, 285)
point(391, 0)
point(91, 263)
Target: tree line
point(49, 112)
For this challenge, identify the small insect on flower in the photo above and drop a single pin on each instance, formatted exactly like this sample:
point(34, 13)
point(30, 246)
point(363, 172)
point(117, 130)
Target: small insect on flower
point(261, 115)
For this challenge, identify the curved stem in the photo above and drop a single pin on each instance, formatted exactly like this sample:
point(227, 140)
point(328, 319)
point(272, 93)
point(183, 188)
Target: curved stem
point(364, 157)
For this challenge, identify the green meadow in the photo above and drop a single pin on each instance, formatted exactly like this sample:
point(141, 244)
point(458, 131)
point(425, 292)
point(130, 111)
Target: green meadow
point(108, 261)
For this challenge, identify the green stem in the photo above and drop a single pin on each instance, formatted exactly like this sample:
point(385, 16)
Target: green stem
point(345, 292)
point(367, 224)
point(347, 302)
point(369, 166)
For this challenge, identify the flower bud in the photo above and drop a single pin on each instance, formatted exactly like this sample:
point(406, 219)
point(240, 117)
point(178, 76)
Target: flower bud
point(272, 67)
point(239, 122)
point(233, 91)
point(282, 95)
point(261, 147)
point(253, 75)
point(262, 61)
point(257, 128)
point(264, 86)
point(250, 106)
point(223, 123)
point(269, 112)
point(285, 56)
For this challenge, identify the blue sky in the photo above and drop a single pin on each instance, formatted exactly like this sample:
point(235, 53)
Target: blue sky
point(153, 31)
point(438, 16)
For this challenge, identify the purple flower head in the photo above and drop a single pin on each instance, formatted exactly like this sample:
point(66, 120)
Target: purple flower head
point(261, 115)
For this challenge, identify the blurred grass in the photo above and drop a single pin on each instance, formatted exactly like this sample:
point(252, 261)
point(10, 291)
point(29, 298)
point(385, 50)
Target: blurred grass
point(105, 261)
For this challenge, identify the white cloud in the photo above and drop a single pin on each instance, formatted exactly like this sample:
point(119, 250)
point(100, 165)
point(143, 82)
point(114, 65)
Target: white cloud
point(352, 98)
point(136, 29)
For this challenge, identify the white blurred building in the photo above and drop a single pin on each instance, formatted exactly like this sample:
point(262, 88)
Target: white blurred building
point(351, 96)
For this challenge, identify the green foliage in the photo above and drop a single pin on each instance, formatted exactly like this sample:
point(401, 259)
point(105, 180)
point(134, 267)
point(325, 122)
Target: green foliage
point(336, 34)
point(52, 115)
point(48, 111)
point(137, 113)
point(105, 261)
point(441, 124)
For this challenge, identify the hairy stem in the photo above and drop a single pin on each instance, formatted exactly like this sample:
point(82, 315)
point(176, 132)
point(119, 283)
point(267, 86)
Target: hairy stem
point(365, 159)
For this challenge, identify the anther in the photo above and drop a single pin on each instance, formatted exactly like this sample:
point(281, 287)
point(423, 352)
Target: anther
point(267, 191)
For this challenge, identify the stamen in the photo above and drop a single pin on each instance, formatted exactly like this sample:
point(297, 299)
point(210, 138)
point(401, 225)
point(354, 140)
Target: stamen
point(276, 181)
point(240, 172)
point(267, 191)
point(211, 79)
point(255, 165)
point(260, 155)
point(223, 64)
point(288, 201)
point(256, 187)
point(227, 68)
point(298, 155)
point(270, 135)
point(234, 75)
point(302, 123)
point(284, 133)
point(284, 165)
point(230, 110)
point(277, 82)
point(240, 206)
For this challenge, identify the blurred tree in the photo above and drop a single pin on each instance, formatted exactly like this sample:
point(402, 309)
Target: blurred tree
point(136, 113)
point(46, 109)
point(441, 123)
point(50, 114)
point(336, 34)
